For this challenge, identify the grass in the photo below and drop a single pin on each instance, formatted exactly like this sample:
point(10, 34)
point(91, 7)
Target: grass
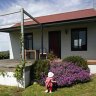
point(10, 91)
point(86, 89)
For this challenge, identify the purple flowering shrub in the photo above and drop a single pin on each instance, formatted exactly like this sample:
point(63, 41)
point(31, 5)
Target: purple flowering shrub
point(67, 74)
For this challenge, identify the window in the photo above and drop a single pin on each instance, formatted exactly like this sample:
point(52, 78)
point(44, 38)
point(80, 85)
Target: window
point(28, 39)
point(79, 39)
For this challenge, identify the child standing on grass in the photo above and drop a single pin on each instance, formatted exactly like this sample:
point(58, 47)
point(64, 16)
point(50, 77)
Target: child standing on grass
point(49, 82)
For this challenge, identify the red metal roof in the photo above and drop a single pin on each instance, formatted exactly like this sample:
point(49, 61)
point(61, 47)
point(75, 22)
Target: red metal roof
point(80, 14)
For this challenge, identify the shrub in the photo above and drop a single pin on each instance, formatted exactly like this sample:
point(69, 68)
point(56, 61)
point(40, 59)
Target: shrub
point(4, 55)
point(18, 73)
point(37, 68)
point(67, 74)
point(51, 56)
point(79, 61)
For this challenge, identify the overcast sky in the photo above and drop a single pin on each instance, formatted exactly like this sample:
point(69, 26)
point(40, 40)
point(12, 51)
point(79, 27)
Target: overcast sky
point(36, 8)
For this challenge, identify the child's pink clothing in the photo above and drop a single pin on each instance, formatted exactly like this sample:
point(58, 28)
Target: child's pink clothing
point(49, 83)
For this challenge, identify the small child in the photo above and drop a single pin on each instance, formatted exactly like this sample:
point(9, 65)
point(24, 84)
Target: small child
point(49, 82)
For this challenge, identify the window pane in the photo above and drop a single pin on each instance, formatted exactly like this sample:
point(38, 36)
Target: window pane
point(82, 38)
point(74, 39)
point(30, 44)
point(28, 39)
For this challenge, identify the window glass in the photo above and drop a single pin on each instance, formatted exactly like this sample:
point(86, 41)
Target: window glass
point(28, 39)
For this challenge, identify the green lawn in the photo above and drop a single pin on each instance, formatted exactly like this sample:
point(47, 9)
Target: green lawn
point(86, 89)
point(10, 91)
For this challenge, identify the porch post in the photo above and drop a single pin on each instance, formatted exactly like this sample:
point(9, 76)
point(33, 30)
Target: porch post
point(42, 40)
point(22, 33)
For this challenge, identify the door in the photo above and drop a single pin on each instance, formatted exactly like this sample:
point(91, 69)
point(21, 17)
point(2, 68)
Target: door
point(55, 43)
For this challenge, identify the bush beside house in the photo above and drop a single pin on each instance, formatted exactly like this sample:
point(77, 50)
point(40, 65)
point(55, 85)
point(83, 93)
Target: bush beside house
point(77, 60)
point(39, 67)
point(66, 72)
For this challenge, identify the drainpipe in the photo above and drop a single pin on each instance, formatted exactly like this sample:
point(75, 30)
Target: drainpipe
point(22, 33)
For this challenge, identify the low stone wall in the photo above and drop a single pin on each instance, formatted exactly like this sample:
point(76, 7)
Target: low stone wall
point(9, 66)
point(92, 69)
point(92, 66)
point(27, 76)
point(10, 80)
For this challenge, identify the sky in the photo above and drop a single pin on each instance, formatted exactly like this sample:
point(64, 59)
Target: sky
point(35, 8)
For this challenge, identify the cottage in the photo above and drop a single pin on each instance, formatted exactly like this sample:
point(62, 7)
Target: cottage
point(65, 34)
point(71, 33)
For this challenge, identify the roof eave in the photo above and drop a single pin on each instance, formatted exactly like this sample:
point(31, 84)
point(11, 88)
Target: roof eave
point(17, 28)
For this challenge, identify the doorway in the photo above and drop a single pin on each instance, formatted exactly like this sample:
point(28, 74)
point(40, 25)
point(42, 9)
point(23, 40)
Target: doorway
point(55, 43)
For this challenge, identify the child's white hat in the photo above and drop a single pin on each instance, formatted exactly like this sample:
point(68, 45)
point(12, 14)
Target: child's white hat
point(50, 74)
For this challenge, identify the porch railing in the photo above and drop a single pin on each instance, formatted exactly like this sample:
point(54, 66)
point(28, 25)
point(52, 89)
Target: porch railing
point(31, 54)
point(34, 54)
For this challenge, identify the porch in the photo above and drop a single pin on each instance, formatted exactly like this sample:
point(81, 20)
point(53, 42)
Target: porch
point(10, 64)
point(8, 67)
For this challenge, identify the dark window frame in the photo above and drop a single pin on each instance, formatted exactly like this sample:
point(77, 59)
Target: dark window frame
point(72, 46)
